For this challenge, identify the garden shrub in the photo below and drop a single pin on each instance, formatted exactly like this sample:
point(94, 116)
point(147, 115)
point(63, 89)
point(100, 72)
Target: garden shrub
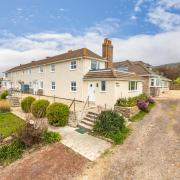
point(4, 106)
point(4, 94)
point(26, 104)
point(11, 152)
point(29, 135)
point(142, 105)
point(111, 125)
point(150, 100)
point(49, 137)
point(57, 114)
point(38, 108)
point(131, 101)
point(108, 122)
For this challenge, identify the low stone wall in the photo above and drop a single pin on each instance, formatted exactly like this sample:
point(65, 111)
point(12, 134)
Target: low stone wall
point(127, 112)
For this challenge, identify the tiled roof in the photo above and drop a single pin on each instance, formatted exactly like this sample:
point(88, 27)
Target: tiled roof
point(138, 67)
point(111, 73)
point(84, 52)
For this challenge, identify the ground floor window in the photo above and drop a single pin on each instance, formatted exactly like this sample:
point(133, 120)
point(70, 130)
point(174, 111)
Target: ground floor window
point(132, 85)
point(152, 82)
point(103, 85)
point(53, 85)
point(41, 85)
point(73, 86)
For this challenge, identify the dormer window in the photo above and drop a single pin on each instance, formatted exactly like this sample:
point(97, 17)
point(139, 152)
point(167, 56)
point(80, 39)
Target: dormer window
point(73, 65)
point(95, 65)
point(40, 69)
point(53, 68)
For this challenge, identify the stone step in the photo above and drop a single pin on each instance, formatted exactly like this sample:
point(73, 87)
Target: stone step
point(89, 123)
point(92, 113)
point(89, 119)
point(91, 116)
point(82, 125)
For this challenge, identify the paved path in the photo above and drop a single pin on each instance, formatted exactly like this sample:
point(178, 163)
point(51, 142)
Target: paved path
point(84, 144)
point(152, 151)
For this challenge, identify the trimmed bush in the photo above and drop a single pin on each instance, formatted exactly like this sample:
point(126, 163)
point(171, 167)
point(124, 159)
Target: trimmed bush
point(38, 108)
point(142, 105)
point(4, 94)
point(4, 106)
point(49, 137)
point(26, 104)
point(57, 114)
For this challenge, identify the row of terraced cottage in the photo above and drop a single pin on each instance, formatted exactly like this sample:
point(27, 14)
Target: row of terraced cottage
point(83, 74)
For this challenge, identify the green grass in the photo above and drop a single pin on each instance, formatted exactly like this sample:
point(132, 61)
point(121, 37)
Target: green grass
point(11, 152)
point(140, 115)
point(9, 123)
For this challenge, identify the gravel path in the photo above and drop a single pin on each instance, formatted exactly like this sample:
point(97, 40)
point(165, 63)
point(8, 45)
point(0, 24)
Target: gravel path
point(152, 151)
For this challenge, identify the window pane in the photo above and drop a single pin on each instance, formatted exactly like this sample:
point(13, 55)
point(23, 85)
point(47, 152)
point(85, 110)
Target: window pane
point(103, 85)
point(93, 65)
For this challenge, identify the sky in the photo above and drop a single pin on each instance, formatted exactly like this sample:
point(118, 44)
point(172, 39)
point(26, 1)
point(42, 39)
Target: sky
point(147, 30)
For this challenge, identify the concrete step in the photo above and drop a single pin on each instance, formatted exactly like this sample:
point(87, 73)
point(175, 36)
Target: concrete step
point(92, 113)
point(87, 122)
point(91, 116)
point(89, 119)
point(82, 125)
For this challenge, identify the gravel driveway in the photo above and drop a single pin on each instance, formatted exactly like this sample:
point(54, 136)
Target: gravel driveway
point(152, 151)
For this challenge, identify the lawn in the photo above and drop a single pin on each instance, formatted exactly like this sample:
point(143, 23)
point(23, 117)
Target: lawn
point(9, 123)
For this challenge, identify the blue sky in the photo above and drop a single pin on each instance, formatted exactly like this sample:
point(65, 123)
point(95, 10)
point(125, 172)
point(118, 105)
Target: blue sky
point(22, 16)
point(140, 29)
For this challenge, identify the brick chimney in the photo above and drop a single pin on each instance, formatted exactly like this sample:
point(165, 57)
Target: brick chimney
point(107, 52)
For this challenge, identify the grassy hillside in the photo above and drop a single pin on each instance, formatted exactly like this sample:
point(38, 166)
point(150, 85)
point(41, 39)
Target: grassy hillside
point(171, 71)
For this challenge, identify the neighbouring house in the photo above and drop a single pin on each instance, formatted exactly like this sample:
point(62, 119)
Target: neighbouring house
point(153, 84)
point(1, 82)
point(78, 74)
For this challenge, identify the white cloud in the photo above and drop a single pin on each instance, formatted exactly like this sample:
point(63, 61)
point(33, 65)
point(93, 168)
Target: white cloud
point(162, 16)
point(154, 49)
point(161, 13)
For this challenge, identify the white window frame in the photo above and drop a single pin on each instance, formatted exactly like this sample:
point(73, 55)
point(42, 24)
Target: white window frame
point(105, 86)
point(97, 64)
point(30, 84)
point(41, 85)
point(41, 69)
point(29, 71)
point(130, 86)
point(152, 80)
point(73, 86)
point(52, 68)
point(73, 64)
point(53, 85)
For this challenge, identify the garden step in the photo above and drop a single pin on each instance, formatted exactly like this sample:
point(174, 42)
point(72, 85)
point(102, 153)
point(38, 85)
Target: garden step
point(89, 123)
point(89, 119)
point(82, 125)
point(92, 113)
point(91, 116)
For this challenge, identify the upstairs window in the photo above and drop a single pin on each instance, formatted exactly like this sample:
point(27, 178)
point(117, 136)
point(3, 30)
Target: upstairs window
point(29, 71)
point(157, 82)
point(73, 65)
point(53, 68)
point(41, 69)
point(73, 86)
point(103, 86)
point(95, 65)
point(132, 85)
point(53, 85)
point(30, 84)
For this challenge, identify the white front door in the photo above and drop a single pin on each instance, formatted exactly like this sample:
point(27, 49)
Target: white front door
point(91, 91)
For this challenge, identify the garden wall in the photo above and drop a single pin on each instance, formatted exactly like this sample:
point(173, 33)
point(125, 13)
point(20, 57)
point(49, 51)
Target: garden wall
point(127, 112)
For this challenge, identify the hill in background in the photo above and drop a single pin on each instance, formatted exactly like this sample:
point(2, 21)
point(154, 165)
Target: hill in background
point(171, 71)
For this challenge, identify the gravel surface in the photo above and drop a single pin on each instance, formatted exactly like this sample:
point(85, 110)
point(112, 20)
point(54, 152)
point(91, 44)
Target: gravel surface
point(152, 151)
point(55, 162)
